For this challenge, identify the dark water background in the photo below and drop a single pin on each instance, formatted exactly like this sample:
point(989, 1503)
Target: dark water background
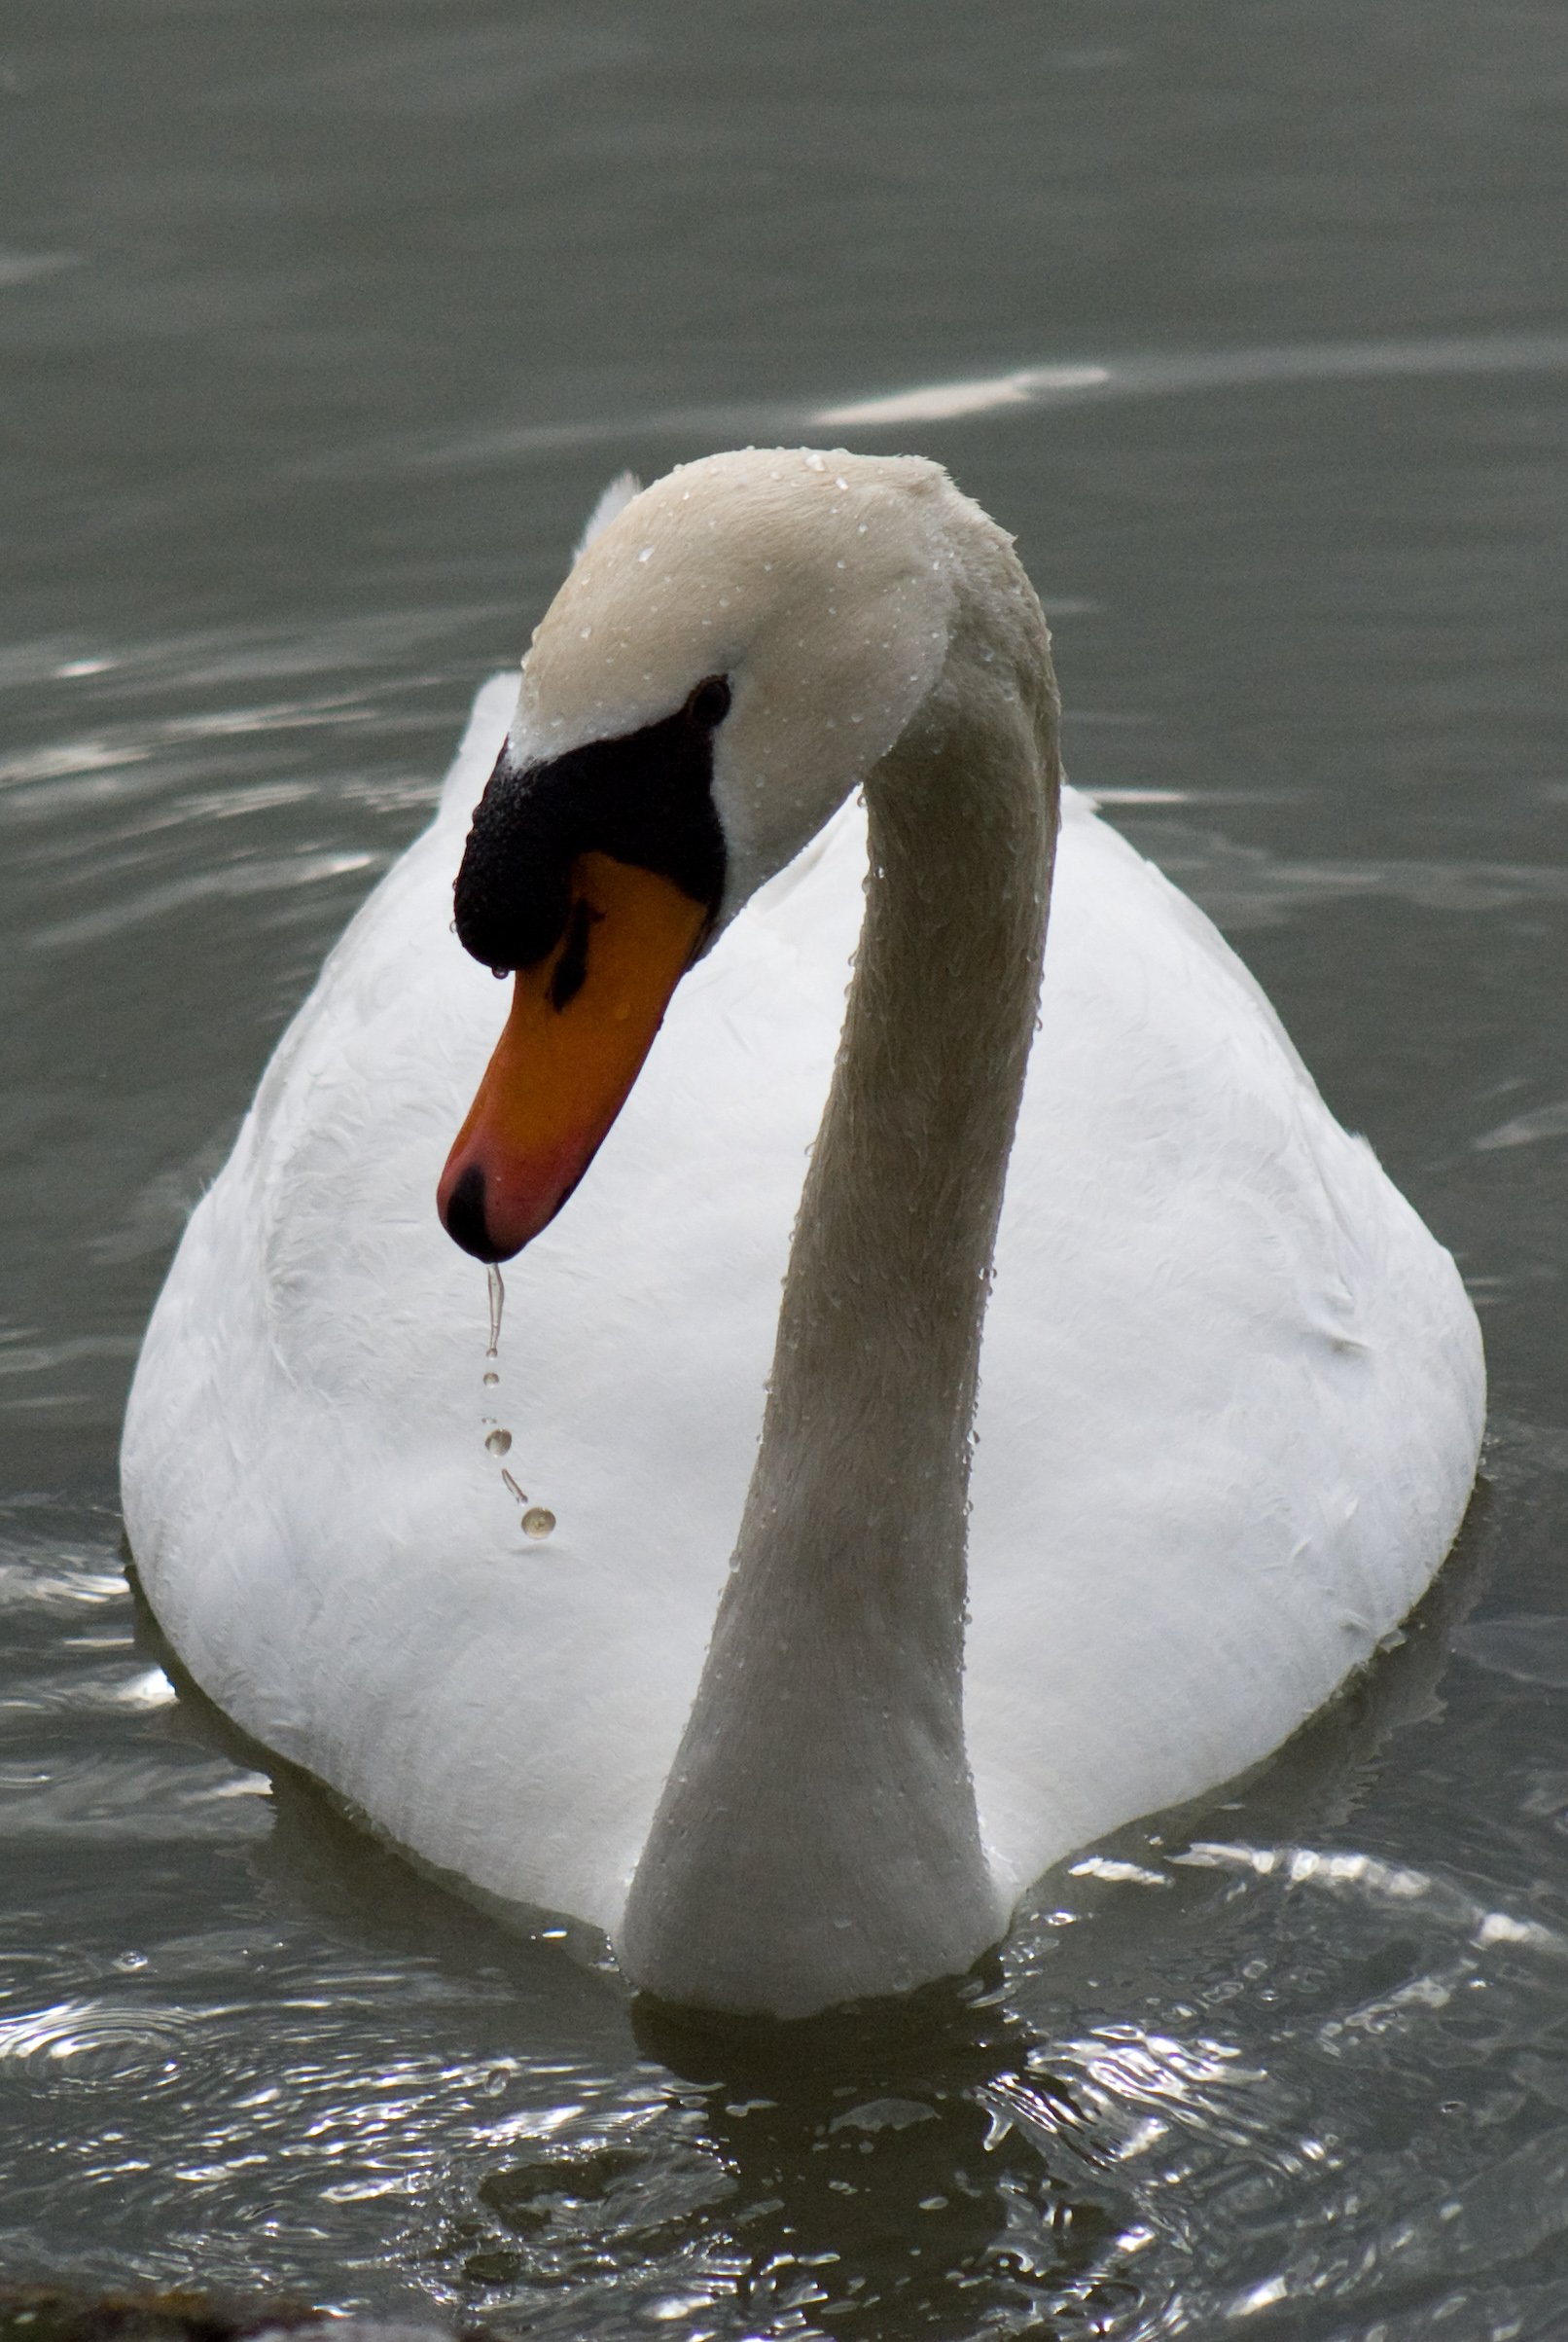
point(321, 324)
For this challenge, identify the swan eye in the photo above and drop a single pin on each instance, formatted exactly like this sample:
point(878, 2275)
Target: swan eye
point(710, 704)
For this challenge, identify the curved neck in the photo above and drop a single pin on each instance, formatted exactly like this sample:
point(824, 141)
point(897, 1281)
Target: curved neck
point(817, 1838)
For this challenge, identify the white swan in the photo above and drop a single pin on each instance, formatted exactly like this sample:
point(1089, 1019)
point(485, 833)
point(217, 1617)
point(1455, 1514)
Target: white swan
point(1229, 1394)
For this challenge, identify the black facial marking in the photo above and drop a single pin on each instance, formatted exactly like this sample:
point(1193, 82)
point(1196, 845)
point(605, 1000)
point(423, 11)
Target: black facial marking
point(570, 972)
point(645, 797)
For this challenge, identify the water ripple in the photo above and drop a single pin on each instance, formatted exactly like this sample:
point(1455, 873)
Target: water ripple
point(1527, 1129)
point(1249, 887)
point(1385, 1886)
point(1056, 384)
point(91, 2042)
point(129, 1799)
point(278, 874)
point(1150, 376)
point(56, 1582)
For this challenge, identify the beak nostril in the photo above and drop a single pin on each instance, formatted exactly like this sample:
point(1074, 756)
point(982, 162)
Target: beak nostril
point(463, 1214)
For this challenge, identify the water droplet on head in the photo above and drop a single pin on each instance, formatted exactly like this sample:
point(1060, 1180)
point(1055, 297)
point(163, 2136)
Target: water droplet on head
point(538, 1520)
point(498, 1442)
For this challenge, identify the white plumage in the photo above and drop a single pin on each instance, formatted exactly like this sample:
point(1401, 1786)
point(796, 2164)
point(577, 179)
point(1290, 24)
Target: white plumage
point(1230, 1392)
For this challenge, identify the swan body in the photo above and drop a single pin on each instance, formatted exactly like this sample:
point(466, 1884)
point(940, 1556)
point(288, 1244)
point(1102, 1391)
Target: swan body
point(1230, 1389)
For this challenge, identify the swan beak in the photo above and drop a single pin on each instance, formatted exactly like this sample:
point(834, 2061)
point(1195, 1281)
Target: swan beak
point(582, 1021)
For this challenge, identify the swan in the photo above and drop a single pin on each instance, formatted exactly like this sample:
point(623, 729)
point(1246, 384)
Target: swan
point(1107, 1407)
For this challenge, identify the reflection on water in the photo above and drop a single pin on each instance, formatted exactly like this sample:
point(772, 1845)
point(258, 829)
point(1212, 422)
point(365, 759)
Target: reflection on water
point(1208, 369)
point(323, 328)
point(1138, 377)
point(1222, 2071)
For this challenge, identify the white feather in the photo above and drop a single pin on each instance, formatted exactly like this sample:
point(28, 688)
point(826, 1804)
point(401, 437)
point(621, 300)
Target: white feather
point(1218, 1455)
point(611, 503)
point(1231, 1390)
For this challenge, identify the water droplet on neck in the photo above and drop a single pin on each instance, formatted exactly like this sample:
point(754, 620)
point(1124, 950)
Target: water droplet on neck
point(498, 1295)
point(498, 1442)
point(538, 1520)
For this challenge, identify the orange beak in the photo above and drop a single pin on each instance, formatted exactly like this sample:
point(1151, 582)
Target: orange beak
point(581, 1023)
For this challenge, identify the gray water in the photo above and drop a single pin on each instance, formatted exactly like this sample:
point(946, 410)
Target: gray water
point(323, 323)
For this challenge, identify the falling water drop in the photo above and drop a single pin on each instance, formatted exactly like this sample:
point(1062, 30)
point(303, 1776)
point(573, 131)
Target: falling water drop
point(498, 1294)
point(498, 1442)
point(538, 1520)
point(520, 1494)
point(492, 1378)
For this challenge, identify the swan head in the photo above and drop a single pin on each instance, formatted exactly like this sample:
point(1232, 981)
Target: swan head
point(732, 656)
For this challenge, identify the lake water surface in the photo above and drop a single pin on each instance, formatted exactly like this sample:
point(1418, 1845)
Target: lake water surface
point(322, 324)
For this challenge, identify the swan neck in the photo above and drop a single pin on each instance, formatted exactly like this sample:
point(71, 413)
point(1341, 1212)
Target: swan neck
point(818, 1839)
